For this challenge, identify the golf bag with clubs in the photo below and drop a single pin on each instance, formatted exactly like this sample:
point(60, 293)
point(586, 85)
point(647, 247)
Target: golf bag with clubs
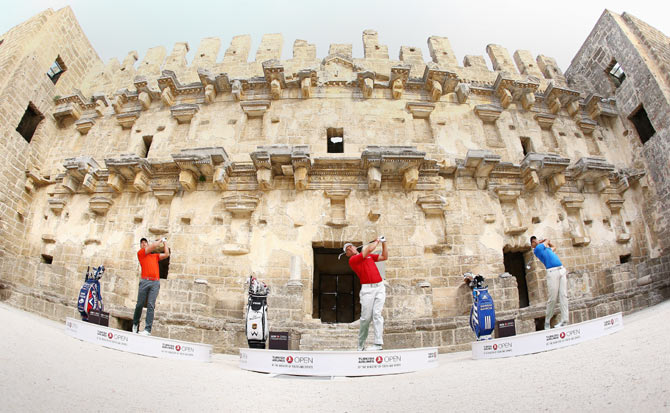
point(90, 296)
point(482, 313)
point(257, 313)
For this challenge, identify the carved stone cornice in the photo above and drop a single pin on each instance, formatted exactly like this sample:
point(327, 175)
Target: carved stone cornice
point(83, 171)
point(129, 169)
point(241, 205)
point(220, 81)
point(278, 160)
point(438, 82)
point(127, 119)
point(594, 171)
point(99, 204)
point(557, 97)
point(184, 112)
point(510, 90)
point(598, 106)
point(432, 205)
point(420, 110)
point(308, 80)
point(273, 71)
point(398, 80)
point(539, 167)
point(479, 164)
point(168, 80)
point(202, 162)
point(255, 108)
point(366, 82)
point(488, 113)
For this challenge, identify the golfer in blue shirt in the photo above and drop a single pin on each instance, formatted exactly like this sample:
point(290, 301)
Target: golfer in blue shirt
point(557, 285)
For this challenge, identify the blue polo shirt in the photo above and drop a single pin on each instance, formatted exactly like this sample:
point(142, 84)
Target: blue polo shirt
point(547, 256)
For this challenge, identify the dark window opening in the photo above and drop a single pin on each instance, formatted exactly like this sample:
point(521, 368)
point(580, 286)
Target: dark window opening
point(336, 288)
point(335, 140)
point(164, 267)
point(147, 140)
point(539, 324)
point(1, 41)
point(616, 73)
point(516, 265)
point(56, 70)
point(28, 124)
point(525, 145)
point(624, 258)
point(47, 259)
point(642, 124)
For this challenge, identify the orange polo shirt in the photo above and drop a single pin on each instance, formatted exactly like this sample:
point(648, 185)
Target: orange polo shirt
point(149, 264)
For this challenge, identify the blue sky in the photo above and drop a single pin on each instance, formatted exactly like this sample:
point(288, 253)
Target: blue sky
point(554, 28)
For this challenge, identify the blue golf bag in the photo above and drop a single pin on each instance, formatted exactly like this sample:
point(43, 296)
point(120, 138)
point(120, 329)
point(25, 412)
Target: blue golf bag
point(90, 296)
point(482, 313)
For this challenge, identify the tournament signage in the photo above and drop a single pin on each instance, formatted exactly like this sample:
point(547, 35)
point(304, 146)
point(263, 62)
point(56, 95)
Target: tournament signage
point(548, 339)
point(338, 363)
point(135, 343)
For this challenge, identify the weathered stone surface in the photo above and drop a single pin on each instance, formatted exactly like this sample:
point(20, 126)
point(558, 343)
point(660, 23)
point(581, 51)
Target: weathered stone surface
point(265, 167)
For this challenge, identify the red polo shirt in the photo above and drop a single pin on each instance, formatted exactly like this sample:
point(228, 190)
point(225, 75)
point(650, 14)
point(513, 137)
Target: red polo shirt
point(149, 264)
point(365, 268)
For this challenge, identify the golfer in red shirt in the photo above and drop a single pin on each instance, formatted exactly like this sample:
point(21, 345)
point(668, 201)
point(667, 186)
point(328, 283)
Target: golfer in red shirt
point(373, 291)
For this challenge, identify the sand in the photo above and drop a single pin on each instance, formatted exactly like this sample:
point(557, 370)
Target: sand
point(43, 369)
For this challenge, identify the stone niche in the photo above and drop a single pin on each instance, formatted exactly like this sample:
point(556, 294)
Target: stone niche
point(240, 206)
point(573, 205)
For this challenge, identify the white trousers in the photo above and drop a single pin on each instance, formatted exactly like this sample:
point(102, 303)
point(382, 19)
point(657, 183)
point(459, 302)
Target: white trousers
point(372, 301)
point(557, 289)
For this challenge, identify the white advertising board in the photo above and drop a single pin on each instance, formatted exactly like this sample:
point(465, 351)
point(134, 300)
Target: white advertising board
point(135, 343)
point(338, 363)
point(547, 339)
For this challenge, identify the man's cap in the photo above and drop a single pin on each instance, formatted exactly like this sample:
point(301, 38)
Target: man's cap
point(143, 239)
point(346, 245)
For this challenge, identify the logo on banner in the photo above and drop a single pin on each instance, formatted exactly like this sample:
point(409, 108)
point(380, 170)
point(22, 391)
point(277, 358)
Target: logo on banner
point(432, 356)
point(611, 323)
point(498, 348)
point(293, 362)
point(186, 351)
point(379, 362)
point(563, 336)
point(109, 337)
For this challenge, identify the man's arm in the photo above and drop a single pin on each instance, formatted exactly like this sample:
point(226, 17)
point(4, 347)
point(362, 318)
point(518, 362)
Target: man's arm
point(151, 247)
point(548, 244)
point(369, 248)
point(166, 252)
point(385, 253)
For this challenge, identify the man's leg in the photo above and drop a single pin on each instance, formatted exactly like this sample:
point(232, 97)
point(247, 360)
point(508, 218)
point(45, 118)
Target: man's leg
point(552, 292)
point(141, 298)
point(151, 303)
point(367, 299)
point(378, 320)
point(563, 297)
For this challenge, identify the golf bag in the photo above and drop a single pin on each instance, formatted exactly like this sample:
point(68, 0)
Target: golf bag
point(90, 296)
point(257, 313)
point(482, 313)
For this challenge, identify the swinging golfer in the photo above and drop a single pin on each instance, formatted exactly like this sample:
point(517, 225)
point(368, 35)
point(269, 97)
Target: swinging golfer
point(557, 287)
point(149, 283)
point(373, 291)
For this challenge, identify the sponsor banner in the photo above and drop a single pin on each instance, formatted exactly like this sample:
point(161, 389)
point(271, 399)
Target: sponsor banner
point(135, 343)
point(338, 363)
point(547, 340)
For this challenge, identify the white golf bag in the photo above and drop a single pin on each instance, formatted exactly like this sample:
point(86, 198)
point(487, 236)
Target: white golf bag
point(257, 327)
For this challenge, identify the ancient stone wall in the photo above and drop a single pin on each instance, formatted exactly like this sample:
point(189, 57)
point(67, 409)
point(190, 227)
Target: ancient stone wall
point(235, 163)
point(643, 55)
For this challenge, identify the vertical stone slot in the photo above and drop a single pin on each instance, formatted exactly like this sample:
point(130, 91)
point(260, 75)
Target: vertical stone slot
point(516, 265)
point(29, 122)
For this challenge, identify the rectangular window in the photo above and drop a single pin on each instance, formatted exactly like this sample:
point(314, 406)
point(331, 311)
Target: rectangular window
point(56, 70)
point(335, 138)
point(616, 73)
point(31, 118)
point(525, 145)
point(642, 124)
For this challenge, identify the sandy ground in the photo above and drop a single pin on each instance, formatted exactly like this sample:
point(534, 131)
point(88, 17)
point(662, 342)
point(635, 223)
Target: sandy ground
point(43, 369)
